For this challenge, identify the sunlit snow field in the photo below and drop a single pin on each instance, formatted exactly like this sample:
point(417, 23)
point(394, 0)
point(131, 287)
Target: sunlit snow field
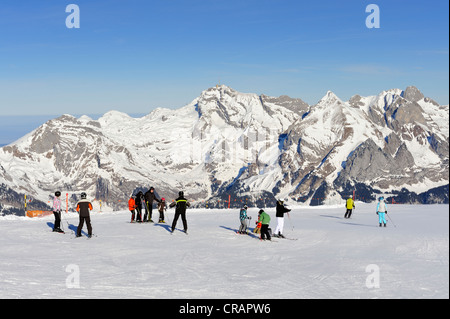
point(332, 257)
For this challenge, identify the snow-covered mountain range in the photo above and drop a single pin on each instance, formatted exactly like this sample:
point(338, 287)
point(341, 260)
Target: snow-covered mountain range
point(252, 147)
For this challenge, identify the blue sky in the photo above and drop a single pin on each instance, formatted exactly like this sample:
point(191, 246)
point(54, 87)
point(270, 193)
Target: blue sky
point(136, 55)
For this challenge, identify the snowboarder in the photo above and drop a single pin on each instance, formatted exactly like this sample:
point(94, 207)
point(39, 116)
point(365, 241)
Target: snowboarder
point(243, 218)
point(181, 204)
point(83, 208)
point(350, 205)
point(132, 207)
point(264, 219)
point(57, 212)
point(138, 203)
point(149, 197)
point(162, 206)
point(382, 211)
point(281, 210)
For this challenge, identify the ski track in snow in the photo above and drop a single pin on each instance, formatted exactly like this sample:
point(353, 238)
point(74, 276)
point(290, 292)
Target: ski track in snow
point(328, 260)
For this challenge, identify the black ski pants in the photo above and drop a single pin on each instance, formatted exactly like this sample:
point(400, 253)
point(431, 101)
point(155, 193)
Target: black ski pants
point(139, 213)
point(265, 232)
point(57, 220)
point(348, 213)
point(161, 215)
point(88, 224)
point(183, 218)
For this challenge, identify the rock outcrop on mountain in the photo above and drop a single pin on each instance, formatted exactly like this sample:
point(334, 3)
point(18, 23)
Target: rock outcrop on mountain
point(254, 148)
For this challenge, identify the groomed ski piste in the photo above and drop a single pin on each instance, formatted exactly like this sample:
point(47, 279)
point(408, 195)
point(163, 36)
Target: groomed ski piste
point(332, 258)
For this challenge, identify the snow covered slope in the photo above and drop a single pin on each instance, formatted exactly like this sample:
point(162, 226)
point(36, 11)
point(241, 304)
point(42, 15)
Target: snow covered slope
point(245, 145)
point(332, 258)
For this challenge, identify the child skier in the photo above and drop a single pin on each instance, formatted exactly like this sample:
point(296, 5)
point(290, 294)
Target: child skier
point(57, 212)
point(83, 208)
point(243, 218)
point(162, 206)
point(264, 219)
point(382, 211)
point(257, 229)
point(132, 207)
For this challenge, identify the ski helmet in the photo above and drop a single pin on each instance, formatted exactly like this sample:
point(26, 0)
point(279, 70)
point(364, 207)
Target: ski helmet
point(83, 195)
point(181, 193)
point(163, 199)
point(58, 193)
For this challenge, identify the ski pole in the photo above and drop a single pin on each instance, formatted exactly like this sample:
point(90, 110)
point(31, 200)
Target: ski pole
point(290, 222)
point(61, 223)
point(68, 225)
point(391, 220)
point(168, 218)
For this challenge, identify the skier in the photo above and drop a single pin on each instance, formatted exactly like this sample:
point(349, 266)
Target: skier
point(349, 205)
point(57, 212)
point(149, 197)
point(83, 208)
point(257, 229)
point(162, 206)
point(264, 219)
point(132, 207)
point(243, 218)
point(181, 204)
point(382, 211)
point(281, 210)
point(138, 202)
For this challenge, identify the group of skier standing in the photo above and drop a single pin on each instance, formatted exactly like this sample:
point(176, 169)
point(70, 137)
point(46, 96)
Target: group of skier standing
point(136, 202)
point(264, 219)
point(146, 200)
point(262, 225)
point(84, 208)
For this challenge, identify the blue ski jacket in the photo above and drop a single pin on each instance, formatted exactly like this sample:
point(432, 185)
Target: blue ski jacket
point(243, 214)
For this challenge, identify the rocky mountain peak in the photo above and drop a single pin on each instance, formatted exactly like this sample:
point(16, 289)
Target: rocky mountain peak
point(413, 94)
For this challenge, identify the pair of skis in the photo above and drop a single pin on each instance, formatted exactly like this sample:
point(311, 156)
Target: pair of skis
point(249, 234)
point(183, 231)
point(87, 237)
point(284, 237)
point(73, 237)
